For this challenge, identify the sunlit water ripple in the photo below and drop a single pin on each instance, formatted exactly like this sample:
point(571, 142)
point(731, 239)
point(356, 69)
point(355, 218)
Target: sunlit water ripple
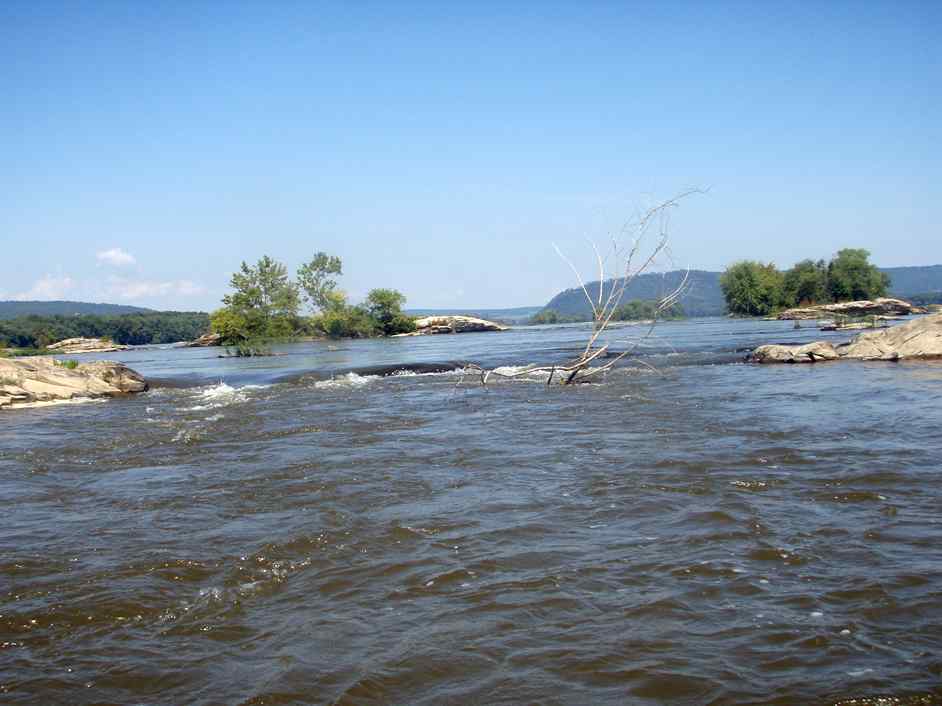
point(301, 529)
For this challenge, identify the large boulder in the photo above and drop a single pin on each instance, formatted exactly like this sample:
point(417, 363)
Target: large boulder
point(207, 339)
point(452, 324)
point(914, 340)
point(878, 307)
point(86, 345)
point(808, 353)
point(26, 381)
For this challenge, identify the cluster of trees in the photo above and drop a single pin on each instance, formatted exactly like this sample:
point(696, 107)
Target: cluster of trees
point(634, 310)
point(266, 304)
point(757, 289)
point(132, 329)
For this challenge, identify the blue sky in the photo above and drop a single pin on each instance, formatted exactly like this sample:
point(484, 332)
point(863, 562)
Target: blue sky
point(442, 148)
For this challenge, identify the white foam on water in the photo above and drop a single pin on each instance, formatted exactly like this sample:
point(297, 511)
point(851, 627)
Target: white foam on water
point(348, 381)
point(221, 395)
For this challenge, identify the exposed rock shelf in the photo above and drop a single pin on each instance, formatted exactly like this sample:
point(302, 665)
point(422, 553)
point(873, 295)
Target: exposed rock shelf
point(28, 381)
point(914, 340)
point(878, 307)
point(86, 345)
point(429, 325)
point(207, 339)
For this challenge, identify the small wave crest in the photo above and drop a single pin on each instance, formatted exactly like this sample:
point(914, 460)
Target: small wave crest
point(345, 382)
point(220, 395)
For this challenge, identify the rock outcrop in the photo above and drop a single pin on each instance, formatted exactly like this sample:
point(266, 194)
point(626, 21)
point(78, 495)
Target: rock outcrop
point(452, 324)
point(86, 345)
point(207, 339)
point(914, 340)
point(27, 381)
point(878, 307)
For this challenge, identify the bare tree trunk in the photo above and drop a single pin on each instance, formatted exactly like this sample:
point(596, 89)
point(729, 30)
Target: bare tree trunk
point(628, 260)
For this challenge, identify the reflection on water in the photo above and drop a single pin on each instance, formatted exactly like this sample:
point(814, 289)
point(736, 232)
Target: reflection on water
point(302, 529)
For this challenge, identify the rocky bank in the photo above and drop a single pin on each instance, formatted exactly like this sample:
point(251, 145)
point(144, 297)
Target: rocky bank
point(207, 339)
point(864, 307)
point(919, 339)
point(86, 345)
point(31, 381)
point(429, 325)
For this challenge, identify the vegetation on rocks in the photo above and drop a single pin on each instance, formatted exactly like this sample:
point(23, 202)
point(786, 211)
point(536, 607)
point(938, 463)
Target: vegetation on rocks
point(265, 306)
point(759, 289)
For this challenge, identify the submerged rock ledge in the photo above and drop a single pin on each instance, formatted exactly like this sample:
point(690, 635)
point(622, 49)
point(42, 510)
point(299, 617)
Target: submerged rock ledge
point(33, 381)
point(915, 340)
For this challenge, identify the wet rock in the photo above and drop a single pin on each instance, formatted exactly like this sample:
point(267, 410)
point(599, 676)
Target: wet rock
point(26, 381)
point(808, 353)
point(914, 340)
point(452, 324)
point(86, 345)
point(882, 306)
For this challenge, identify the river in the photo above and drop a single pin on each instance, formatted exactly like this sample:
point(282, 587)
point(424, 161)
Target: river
point(301, 529)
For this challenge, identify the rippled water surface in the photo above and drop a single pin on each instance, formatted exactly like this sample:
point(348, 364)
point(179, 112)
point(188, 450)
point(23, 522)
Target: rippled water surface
point(300, 529)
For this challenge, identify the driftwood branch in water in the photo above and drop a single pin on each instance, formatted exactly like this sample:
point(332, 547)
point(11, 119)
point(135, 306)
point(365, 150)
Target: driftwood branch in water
point(655, 221)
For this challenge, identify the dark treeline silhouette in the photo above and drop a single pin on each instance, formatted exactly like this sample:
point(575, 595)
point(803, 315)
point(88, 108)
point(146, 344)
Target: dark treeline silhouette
point(131, 329)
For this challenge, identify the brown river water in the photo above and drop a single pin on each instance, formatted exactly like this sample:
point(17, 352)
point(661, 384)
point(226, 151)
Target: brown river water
point(303, 529)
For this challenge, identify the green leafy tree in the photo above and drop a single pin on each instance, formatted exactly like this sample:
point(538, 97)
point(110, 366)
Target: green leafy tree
point(385, 306)
point(852, 277)
point(806, 283)
point(265, 288)
point(316, 281)
point(264, 305)
point(752, 288)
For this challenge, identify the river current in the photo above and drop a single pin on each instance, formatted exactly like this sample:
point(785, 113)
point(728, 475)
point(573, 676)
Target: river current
point(309, 528)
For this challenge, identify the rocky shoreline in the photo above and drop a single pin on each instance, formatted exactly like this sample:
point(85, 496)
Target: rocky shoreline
point(432, 325)
point(883, 306)
point(920, 339)
point(28, 382)
point(86, 345)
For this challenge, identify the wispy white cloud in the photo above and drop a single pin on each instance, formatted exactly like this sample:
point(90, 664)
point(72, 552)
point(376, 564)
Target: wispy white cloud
point(47, 287)
point(116, 257)
point(126, 288)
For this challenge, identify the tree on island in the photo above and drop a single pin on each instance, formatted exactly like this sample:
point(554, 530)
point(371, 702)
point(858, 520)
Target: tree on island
point(754, 289)
point(852, 277)
point(806, 283)
point(265, 305)
point(316, 281)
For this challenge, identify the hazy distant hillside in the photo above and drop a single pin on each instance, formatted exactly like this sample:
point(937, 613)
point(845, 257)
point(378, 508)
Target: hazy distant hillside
point(907, 281)
point(705, 298)
point(702, 298)
point(11, 309)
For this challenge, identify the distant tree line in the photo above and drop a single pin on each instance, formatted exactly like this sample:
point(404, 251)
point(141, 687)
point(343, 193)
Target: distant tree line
point(266, 304)
point(757, 289)
point(130, 329)
point(634, 310)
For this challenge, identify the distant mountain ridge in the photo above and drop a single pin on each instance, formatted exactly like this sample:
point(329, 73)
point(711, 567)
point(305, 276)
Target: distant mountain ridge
point(13, 309)
point(705, 298)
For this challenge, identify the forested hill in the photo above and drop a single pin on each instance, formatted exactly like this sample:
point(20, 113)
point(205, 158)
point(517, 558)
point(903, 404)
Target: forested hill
point(13, 309)
point(138, 328)
point(910, 281)
point(705, 298)
point(702, 298)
